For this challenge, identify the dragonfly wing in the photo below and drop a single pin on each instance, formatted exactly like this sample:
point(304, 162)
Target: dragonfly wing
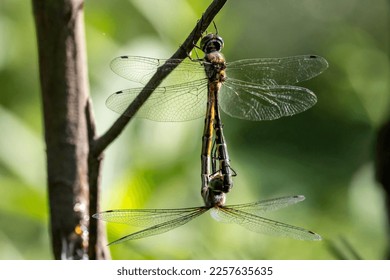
point(255, 102)
point(162, 227)
point(180, 102)
point(143, 217)
point(141, 69)
point(268, 205)
point(277, 71)
point(262, 225)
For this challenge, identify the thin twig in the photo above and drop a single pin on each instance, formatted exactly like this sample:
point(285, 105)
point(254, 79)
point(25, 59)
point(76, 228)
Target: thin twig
point(97, 249)
point(112, 133)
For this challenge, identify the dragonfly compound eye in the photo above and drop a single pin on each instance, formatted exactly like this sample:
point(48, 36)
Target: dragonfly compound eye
point(211, 43)
point(216, 184)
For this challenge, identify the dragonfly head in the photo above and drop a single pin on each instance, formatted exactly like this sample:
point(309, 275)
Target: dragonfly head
point(220, 182)
point(216, 184)
point(214, 198)
point(211, 43)
point(214, 194)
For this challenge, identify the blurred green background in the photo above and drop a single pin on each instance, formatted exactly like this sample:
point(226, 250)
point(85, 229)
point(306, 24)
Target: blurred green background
point(325, 153)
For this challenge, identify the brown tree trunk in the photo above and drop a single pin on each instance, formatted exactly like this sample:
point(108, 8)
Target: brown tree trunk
point(65, 97)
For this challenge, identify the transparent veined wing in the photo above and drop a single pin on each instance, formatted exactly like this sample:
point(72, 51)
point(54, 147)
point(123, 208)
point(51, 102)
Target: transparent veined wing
point(140, 69)
point(179, 102)
point(277, 71)
point(255, 89)
point(158, 220)
point(143, 217)
point(268, 205)
point(262, 225)
point(248, 101)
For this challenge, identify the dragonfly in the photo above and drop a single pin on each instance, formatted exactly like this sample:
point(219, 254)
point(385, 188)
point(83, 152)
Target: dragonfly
point(177, 102)
point(158, 221)
point(251, 89)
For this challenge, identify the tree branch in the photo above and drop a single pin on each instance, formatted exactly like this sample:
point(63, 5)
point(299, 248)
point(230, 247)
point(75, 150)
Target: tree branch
point(112, 133)
point(97, 249)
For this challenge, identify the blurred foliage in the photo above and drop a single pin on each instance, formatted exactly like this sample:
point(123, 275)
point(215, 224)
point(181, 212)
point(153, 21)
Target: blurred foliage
point(325, 153)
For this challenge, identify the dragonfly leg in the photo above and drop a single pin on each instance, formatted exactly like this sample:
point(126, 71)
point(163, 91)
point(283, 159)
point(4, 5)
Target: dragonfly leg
point(215, 26)
point(234, 173)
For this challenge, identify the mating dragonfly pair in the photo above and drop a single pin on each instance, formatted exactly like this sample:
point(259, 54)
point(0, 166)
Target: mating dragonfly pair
point(252, 89)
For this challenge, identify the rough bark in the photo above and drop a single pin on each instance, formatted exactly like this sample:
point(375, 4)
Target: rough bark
point(65, 94)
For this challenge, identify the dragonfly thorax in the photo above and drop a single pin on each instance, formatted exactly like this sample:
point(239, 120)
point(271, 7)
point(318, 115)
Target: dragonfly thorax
point(215, 66)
